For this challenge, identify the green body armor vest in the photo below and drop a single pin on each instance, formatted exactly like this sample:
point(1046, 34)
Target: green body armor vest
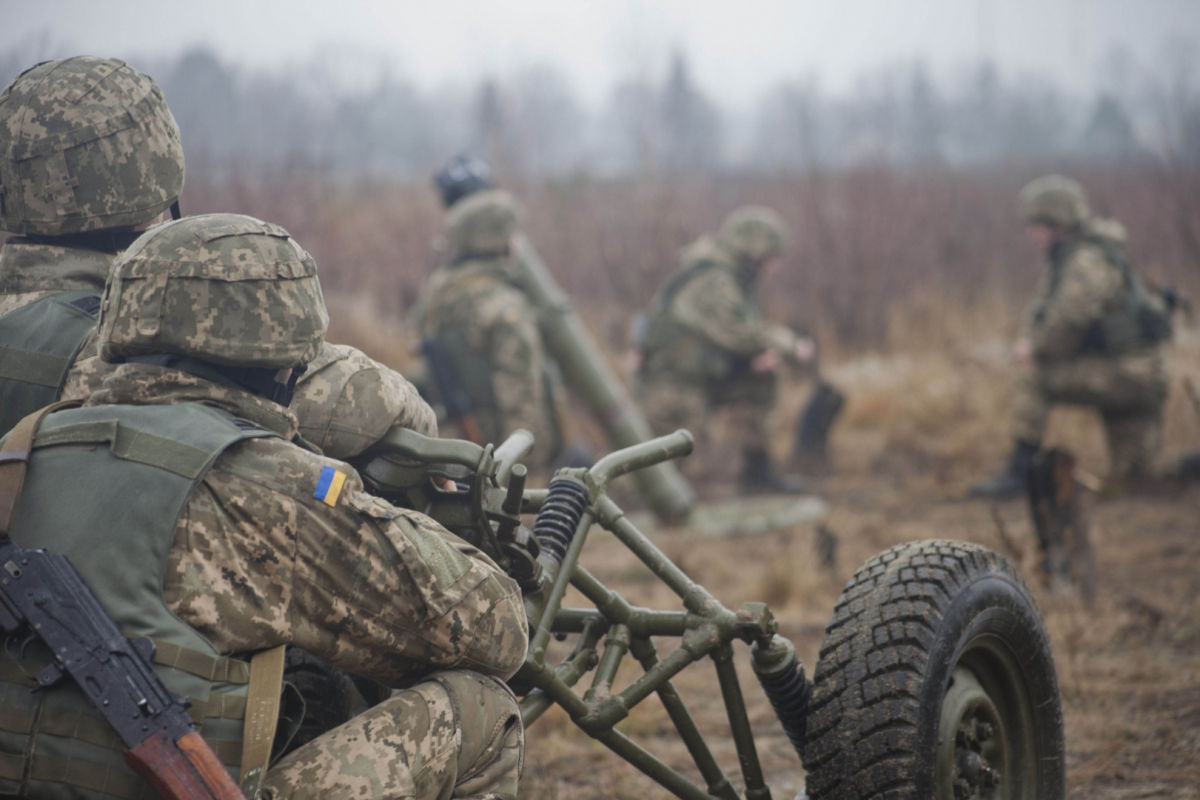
point(1138, 318)
point(105, 487)
point(38, 344)
point(669, 347)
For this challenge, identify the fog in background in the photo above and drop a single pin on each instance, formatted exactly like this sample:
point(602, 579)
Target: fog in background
point(551, 88)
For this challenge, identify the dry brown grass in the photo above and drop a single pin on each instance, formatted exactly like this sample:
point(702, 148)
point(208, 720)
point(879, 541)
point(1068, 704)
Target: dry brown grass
point(914, 282)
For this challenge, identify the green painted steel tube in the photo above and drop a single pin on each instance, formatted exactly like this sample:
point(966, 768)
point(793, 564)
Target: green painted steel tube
point(718, 782)
point(739, 724)
point(652, 766)
point(587, 372)
point(647, 623)
point(695, 597)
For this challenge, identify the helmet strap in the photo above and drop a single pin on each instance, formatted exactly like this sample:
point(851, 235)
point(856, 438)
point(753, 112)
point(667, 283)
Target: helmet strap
point(175, 213)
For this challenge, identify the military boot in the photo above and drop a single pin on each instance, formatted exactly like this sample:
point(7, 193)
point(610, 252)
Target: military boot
point(1009, 481)
point(759, 476)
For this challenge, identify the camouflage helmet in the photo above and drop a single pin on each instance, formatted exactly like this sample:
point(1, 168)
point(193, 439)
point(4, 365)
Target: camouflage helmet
point(85, 144)
point(482, 224)
point(1054, 200)
point(224, 288)
point(753, 234)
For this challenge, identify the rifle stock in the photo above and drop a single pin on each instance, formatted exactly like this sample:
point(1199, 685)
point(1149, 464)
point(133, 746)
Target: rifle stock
point(182, 770)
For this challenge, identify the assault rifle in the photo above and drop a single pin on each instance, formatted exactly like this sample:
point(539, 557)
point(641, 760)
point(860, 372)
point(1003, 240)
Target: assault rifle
point(43, 597)
point(449, 388)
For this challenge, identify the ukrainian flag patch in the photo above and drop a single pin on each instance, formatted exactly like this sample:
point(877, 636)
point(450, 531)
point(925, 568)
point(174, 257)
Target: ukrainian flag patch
point(329, 486)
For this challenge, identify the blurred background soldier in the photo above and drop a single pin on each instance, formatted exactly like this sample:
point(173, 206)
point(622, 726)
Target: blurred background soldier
point(707, 345)
point(89, 155)
point(222, 540)
point(1093, 336)
point(480, 331)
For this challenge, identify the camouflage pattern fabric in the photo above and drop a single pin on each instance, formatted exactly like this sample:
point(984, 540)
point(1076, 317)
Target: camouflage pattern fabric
point(382, 592)
point(700, 343)
point(482, 225)
point(1054, 200)
point(1129, 391)
point(454, 735)
point(479, 301)
point(1079, 288)
point(31, 271)
point(226, 288)
point(346, 402)
point(85, 144)
point(1129, 388)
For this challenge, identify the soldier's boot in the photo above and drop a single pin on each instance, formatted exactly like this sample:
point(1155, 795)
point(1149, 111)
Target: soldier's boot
point(759, 476)
point(1189, 467)
point(1010, 480)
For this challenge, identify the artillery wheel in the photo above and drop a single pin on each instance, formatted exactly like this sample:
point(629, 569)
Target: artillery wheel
point(935, 680)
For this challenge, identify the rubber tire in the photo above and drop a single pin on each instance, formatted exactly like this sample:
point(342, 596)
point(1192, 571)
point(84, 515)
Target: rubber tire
point(905, 620)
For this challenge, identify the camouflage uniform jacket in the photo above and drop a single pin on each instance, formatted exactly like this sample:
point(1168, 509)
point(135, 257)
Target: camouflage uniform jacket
point(346, 402)
point(1081, 291)
point(491, 327)
point(30, 271)
point(258, 560)
point(705, 324)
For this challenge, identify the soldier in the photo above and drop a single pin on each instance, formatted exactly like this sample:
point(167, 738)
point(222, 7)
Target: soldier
point(707, 345)
point(222, 539)
point(479, 325)
point(89, 156)
point(1093, 336)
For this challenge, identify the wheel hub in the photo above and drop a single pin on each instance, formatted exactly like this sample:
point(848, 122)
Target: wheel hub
point(972, 757)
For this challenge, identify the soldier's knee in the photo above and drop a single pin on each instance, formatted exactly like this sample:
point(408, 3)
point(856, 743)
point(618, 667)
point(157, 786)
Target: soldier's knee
point(492, 748)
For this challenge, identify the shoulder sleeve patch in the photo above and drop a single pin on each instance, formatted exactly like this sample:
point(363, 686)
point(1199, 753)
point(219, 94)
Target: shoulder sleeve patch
point(329, 485)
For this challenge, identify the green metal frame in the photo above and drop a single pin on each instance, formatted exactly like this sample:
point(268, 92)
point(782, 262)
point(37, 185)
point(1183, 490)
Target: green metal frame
point(615, 630)
point(611, 631)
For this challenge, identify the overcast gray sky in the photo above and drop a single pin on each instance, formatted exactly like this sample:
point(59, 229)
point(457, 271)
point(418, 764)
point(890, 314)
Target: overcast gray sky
point(738, 48)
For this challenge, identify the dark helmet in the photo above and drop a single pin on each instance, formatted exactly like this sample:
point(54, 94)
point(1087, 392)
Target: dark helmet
point(462, 175)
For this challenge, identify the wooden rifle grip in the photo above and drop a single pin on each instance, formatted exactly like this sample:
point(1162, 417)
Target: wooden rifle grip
point(183, 770)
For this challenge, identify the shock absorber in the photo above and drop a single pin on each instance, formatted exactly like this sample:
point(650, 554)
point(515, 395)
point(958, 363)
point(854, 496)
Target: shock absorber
point(555, 525)
point(785, 684)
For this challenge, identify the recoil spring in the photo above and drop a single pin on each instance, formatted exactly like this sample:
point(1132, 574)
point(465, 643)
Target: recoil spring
point(555, 525)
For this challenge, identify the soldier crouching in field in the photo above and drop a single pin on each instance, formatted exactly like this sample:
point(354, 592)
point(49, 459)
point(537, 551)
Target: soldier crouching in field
point(89, 156)
point(707, 346)
point(176, 492)
point(1093, 336)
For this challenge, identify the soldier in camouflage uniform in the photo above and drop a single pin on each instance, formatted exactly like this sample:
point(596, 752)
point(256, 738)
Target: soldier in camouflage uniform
point(484, 325)
point(89, 154)
point(707, 345)
point(1093, 336)
point(258, 543)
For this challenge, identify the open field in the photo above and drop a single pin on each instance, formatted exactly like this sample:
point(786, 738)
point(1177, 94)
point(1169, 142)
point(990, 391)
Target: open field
point(1129, 669)
point(914, 282)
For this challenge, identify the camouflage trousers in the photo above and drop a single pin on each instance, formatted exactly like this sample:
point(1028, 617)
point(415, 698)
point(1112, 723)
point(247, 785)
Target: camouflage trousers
point(457, 734)
point(744, 402)
point(1129, 392)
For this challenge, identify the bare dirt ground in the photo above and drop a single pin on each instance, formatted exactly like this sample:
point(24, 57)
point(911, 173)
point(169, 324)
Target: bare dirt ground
point(913, 437)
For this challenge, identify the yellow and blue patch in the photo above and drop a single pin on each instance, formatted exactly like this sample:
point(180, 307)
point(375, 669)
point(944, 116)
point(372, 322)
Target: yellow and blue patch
point(329, 486)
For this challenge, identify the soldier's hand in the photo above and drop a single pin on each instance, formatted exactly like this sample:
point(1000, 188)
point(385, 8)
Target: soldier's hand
point(1022, 352)
point(766, 361)
point(806, 350)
